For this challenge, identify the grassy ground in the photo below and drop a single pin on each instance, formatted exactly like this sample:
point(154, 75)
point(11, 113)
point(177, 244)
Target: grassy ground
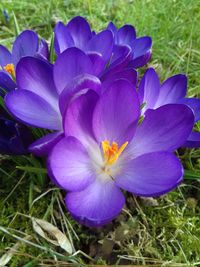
point(165, 231)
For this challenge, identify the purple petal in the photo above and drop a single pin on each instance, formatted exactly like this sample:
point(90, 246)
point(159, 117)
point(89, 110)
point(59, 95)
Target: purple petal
point(126, 35)
point(79, 86)
point(26, 44)
point(69, 65)
point(141, 46)
point(5, 56)
point(172, 90)
point(194, 104)
point(78, 118)
point(116, 113)
point(149, 87)
point(151, 174)
point(140, 61)
point(80, 31)
point(42, 147)
point(98, 63)
point(98, 204)
point(111, 26)
point(166, 128)
point(69, 165)
point(36, 75)
point(32, 109)
point(193, 140)
point(6, 82)
point(63, 39)
point(43, 49)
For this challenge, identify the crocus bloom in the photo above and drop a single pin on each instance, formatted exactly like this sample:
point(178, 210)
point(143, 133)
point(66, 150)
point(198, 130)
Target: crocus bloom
point(140, 46)
point(26, 44)
point(105, 150)
point(173, 90)
point(14, 137)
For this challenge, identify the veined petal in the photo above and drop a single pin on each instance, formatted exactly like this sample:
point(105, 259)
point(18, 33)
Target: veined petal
point(63, 39)
point(97, 204)
point(194, 104)
point(120, 58)
point(151, 174)
point(193, 140)
point(69, 165)
point(6, 83)
point(98, 63)
point(126, 35)
point(140, 61)
point(116, 113)
point(33, 110)
point(70, 64)
point(141, 46)
point(26, 44)
point(5, 56)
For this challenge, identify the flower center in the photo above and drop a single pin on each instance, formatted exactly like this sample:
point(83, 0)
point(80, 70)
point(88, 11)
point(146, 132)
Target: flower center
point(112, 152)
point(10, 69)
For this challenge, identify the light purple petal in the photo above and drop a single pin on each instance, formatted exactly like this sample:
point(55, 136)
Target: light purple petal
point(33, 110)
point(141, 46)
point(5, 56)
point(116, 113)
point(172, 90)
point(6, 82)
point(149, 87)
point(151, 174)
point(26, 44)
point(166, 128)
point(36, 75)
point(69, 165)
point(194, 104)
point(70, 64)
point(80, 31)
point(42, 146)
point(98, 204)
point(43, 49)
point(63, 39)
point(126, 35)
point(193, 140)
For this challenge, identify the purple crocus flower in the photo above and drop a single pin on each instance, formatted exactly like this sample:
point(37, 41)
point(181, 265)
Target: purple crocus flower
point(172, 90)
point(105, 150)
point(26, 44)
point(140, 46)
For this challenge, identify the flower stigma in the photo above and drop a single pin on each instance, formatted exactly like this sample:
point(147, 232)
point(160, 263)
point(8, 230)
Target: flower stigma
point(10, 69)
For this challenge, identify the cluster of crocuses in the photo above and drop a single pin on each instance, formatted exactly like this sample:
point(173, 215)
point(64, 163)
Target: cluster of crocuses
point(109, 130)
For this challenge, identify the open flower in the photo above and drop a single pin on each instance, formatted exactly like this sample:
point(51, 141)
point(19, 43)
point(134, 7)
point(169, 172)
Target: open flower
point(173, 90)
point(26, 44)
point(104, 149)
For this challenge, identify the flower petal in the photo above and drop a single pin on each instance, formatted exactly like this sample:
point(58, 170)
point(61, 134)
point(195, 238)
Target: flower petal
point(166, 128)
point(151, 174)
point(98, 63)
point(149, 87)
point(43, 49)
point(97, 204)
point(43, 145)
point(121, 57)
point(5, 56)
point(6, 83)
point(194, 104)
point(80, 31)
point(63, 39)
point(141, 46)
point(126, 35)
point(172, 90)
point(33, 110)
point(140, 61)
point(116, 113)
point(193, 140)
point(69, 165)
point(36, 75)
point(70, 64)
point(26, 44)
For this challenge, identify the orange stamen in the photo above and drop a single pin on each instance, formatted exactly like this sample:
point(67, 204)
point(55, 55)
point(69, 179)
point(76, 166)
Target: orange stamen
point(10, 69)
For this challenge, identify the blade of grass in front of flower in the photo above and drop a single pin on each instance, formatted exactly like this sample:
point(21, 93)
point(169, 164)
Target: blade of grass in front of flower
point(32, 169)
point(52, 48)
point(190, 175)
point(16, 25)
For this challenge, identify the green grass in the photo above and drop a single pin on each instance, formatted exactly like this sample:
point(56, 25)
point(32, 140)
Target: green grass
point(166, 232)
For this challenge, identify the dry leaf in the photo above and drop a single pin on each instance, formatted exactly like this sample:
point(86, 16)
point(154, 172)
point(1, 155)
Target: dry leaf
point(4, 260)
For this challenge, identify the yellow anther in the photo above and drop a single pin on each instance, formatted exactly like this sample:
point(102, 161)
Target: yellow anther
point(10, 69)
point(112, 152)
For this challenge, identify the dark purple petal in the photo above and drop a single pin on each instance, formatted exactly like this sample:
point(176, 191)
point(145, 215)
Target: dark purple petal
point(126, 35)
point(193, 140)
point(69, 165)
point(43, 49)
point(98, 204)
point(80, 31)
point(140, 61)
point(63, 39)
point(194, 104)
point(5, 56)
point(111, 26)
point(151, 174)
point(42, 147)
point(166, 128)
point(101, 43)
point(127, 74)
point(69, 65)
point(26, 44)
point(79, 85)
point(116, 113)
point(141, 46)
point(6, 83)
point(148, 90)
point(172, 90)
point(33, 110)
point(98, 63)
point(36, 75)
point(78, 117)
